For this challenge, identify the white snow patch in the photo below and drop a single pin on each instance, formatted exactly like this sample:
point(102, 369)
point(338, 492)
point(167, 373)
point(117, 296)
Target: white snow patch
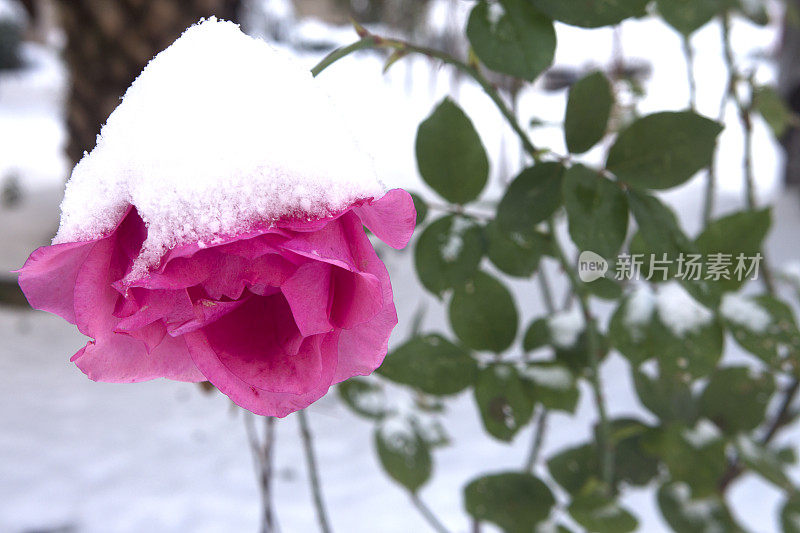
point(399, 435)
point(702, 434)
point(496, 12)
point(743, 311)
point(566, 327)
point(639, 310)
point(455, 242)
point(219, 133)
point(553, 377)
point(680, 312)
point(791, 272)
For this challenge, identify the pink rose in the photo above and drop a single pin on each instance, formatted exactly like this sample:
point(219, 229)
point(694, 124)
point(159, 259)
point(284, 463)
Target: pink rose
point(272, 317)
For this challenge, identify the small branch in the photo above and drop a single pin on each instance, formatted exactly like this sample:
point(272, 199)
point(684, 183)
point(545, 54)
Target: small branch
point(402, 47)
point(688, 54)
point(604, 434)
point(313, 472)
point(538, 439)
point(262, 460)
point(427, 514)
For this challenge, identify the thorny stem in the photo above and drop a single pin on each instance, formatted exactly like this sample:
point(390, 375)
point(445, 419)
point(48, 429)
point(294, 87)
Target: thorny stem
point(313, 472)
point(400, 47)
point(262, 460)
point(604, 433)
point(427, 514)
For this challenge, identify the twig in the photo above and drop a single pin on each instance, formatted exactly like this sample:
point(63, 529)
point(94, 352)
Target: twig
point(400, 47)
point(427, 514)
point(688, 54)
point(313, 472)
point(538, 439)
point(262, 460)
point(604, 434)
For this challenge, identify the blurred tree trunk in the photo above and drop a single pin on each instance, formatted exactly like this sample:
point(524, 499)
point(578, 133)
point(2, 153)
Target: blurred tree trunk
point(789, 86)
point(108, 45)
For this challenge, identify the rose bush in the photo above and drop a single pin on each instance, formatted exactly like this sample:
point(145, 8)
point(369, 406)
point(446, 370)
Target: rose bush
point(272, 317)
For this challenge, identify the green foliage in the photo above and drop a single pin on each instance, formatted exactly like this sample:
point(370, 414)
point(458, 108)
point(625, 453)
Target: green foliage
point(364, 397)
point(421, 207)
point(680, 509)
point(663, 150)
point(512, 37)
point(774, 109)
point(739, 234)
point(450, 154)
point(516, 254)
point(597, 211)
point(668, 396)
point(403, 453)
point(432, 364)
point(598, 513)
point(778, 344)
point(514, 501)
point(695, 351)
point(533, 197)
point(503, 402)
point(537, 335)
point(448, 253)
point(588, 109)
point(688, 16)
point(551, 385)
point(591, 13)
point(483, 314)
point(736, 399)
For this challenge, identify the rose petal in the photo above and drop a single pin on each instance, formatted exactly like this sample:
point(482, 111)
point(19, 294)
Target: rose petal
point(391, 219)
point(117, 358)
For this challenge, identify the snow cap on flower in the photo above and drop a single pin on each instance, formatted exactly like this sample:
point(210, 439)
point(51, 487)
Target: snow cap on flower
point(219, 132)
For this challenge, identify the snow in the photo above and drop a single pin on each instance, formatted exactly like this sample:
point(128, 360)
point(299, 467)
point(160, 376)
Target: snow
point(566, 327)
point(553, 377)
point(639, 310)
point(162, 456)
point(206, 146)
point(743, 311)
point(681, 313)
point(455, 241)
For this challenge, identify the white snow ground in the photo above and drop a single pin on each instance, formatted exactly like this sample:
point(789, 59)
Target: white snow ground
point(163, 457)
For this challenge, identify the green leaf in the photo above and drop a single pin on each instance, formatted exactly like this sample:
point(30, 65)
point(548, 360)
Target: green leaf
point(600, 514)
point(687, 514)
point(597, 210)
point(588, 109)
point(667, 396)
point(663, 150)
point(764, 461)
point(695, 456)
point(514, 501)
point(363, 397)
point(421, 207)
point(575, 468)
point(773, 108)
point(591, 13)
point(537, 335)
point(778, 344)
point(502, 401)
point(736, 399)
point(640, 333)
point(552, 385)
point(790, 515)
point(532, 197)
point(448, 253)
point(432, 364)
point(687, 16)
point(737, 235)
point(450, 155)
point(633, 463)
point(605, 288)
point(512, 37)
point(516, 254)
point(403, 453)
point(483, 314)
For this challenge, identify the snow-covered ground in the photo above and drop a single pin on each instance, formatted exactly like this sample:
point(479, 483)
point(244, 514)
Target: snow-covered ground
point(164, 457)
